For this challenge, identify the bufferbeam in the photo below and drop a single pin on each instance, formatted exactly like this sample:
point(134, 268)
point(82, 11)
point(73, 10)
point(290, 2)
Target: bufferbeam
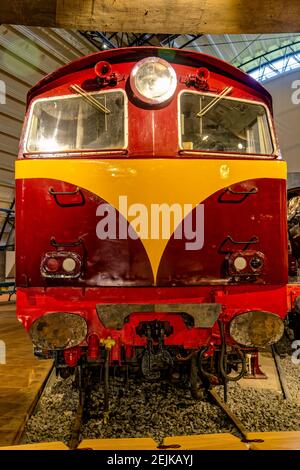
point(157, 16)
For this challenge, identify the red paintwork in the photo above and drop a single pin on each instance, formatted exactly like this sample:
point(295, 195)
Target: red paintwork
point(152, 133)
point(134, 54)
point(72, 356)
point(34, 302)
point(93, 342)
point(106, 262)
point(125, 262)
point(259, 218)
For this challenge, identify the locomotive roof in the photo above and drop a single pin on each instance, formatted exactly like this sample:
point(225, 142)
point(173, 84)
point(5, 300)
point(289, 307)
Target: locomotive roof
point(133, 53)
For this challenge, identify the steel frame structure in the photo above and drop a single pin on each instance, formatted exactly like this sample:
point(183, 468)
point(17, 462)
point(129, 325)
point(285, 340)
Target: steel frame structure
point(262, 67)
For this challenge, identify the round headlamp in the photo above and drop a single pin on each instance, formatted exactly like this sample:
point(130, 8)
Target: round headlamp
point(256, 328)
point(58, 330)
point(153, 80)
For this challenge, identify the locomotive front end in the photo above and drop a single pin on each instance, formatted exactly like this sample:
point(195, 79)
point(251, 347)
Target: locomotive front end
point(159, 213)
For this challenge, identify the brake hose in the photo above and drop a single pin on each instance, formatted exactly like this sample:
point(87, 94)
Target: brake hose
point(222, 357)
point(204, 372)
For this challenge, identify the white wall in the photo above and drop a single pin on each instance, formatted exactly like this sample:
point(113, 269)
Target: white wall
point(26, 55)
point(287, 119)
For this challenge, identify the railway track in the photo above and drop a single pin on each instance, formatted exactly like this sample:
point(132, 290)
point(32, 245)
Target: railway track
point(74, 438)
point(281, 374)
point(75, 431)
point(76, 428)
point(47, 382)
point(233, 418)
point(79, 421)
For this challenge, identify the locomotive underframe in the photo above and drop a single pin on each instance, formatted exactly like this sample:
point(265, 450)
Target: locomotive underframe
point(156, 343)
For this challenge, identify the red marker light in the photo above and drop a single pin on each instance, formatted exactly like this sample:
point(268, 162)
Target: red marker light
point(52, 264)
point(203, 74)
point(103, 69)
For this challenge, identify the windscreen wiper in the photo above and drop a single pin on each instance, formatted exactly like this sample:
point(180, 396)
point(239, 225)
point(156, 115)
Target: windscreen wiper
point(90, 99)
point(218, 98)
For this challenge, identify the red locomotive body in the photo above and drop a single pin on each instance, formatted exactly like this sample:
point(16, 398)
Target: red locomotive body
point(113, 134)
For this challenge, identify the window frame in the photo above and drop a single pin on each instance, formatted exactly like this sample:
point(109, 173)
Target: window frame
point(74, 152)
point(275, 149)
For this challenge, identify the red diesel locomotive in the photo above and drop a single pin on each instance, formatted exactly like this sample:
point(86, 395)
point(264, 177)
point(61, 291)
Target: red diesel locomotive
point(114, 144)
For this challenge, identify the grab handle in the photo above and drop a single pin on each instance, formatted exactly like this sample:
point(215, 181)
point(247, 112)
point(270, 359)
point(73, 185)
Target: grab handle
point(65, 244)
point(229, 238)
point(254, 190)
point(243, 194)
point(62, 193)
point(55, 194)
point(252, 240)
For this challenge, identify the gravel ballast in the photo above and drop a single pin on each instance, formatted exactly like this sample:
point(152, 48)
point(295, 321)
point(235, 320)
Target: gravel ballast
point(54, 415)
point(157, 410)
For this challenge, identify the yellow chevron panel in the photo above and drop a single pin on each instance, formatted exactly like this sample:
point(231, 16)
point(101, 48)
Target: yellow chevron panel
point(151, 181)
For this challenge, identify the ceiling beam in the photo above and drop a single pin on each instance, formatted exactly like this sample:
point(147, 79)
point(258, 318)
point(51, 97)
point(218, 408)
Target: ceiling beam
point(157, 16)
